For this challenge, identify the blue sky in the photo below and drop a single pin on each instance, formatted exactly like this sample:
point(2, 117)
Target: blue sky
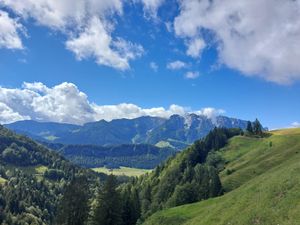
point(246, 77)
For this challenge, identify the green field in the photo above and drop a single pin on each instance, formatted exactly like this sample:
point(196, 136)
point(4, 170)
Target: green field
point(2, 180)
point(262, 187)
point(122, 171)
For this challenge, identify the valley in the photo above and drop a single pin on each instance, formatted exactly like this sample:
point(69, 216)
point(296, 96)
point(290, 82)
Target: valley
point(149, 112)
point(231, 176)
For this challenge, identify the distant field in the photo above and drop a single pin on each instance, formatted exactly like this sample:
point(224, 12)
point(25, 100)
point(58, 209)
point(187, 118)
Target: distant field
point(132, 172)
point(291, 131)
point(2, 180)
point(38, 170)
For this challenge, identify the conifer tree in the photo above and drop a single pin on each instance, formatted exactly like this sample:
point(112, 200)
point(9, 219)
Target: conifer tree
point(257, 127)
point(249, 127)
point(74, 207)
point(109, 207)
point(131, 206)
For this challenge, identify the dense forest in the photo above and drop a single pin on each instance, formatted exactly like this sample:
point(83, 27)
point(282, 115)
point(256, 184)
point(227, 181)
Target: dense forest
point(129, 155)
point(27, 195)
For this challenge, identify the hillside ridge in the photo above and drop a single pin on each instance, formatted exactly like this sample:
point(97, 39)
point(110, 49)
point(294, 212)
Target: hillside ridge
point(261, 180)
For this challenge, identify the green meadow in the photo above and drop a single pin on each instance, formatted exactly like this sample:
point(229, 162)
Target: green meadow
point(122, 171)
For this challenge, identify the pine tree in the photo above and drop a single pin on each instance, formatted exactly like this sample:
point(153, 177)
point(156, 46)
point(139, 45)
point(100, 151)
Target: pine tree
point(257, 127)
point(74, 207)
point(109, 208)
point(249, 127)
point(131, 206)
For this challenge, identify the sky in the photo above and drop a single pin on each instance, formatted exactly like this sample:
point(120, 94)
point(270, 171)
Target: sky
point(77, 61)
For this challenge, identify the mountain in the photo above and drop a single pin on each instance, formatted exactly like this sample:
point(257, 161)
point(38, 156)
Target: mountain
point(41, 130)
point(32, 180)
point(120, 131)
point(260, 178)
point(177, 131)
point(189, 128)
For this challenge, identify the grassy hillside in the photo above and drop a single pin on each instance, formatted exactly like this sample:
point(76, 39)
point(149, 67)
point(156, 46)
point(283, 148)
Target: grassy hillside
point(262, 180)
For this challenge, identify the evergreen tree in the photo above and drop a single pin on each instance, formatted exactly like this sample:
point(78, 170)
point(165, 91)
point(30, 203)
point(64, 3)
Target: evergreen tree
point(131, 206)
point(249, 127)
point(74, 206)
point(257, 127)
point(109, 208)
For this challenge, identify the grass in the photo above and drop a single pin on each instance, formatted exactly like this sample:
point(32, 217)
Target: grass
point(38, 171)
point(263, 189)
point(2, 180)
point(51, 138)
point(122, 171)
point(163, 144)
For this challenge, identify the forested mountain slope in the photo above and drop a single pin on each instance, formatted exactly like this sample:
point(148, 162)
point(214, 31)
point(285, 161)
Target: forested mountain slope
point(142, 156)
point(261, 179)
point(32, 180)
point(189, 176)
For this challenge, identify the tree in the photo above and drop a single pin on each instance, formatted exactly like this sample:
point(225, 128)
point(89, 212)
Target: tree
point(183, 194)
point(131, 206)
point(249, 127)
point(257, 127)
point(74, 207)
point(109, 208)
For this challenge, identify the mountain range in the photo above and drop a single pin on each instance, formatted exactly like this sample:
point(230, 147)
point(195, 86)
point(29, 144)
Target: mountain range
point(176, 132)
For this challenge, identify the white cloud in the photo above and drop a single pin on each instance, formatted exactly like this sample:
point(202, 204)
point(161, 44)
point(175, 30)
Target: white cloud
point(169, 26)
point(210, 112)
point(66, 103)
point(87, 24)
point(151, 7)
point(295, 124)
point(9, 32)
point(95, 42)
point(153, 66)
point(7, 115)
point(195, 47)
point(176, 65)
point(191, 75)
point(258, 37)
point(130, 111)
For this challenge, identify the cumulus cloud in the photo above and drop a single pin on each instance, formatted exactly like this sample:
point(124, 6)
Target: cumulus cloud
point(7, 115)
point(258, 37)
point(191, 75)
point(176, 65)
point(195, 47)
point(210, 112)
point(66, 103)
point(95, 42)
point(87, 24)
point(10, 30)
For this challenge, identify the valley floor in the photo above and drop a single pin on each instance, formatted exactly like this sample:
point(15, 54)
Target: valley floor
point(122, 171)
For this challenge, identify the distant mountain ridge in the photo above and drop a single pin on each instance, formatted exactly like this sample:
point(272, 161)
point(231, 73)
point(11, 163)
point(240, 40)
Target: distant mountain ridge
point(176, 131)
